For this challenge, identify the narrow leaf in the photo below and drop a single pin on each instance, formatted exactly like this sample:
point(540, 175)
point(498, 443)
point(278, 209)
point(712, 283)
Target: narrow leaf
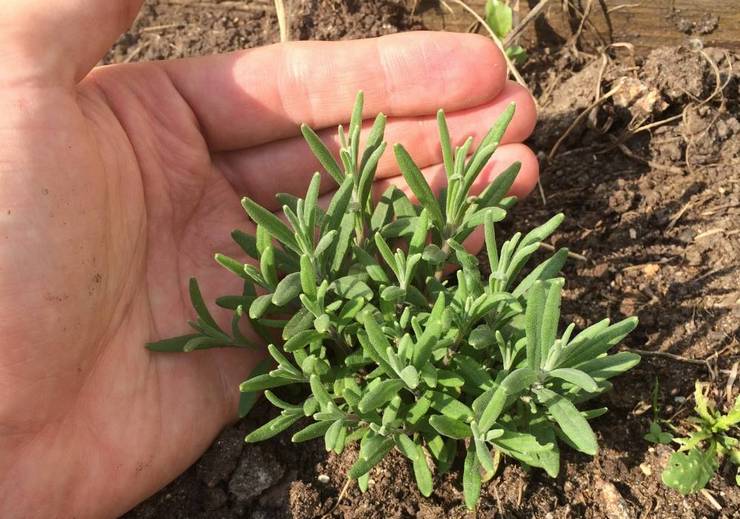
point(271, 223)
point(571, 422)
point(322, 153)
point(418, 185)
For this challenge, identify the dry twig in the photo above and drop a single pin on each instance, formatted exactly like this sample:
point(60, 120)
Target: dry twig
point(531, 15)
point(580, 118)
point(282, 18)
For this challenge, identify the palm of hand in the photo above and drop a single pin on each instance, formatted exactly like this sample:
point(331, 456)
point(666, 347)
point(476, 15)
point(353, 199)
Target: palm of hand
point(125, 190)
point(133, 206)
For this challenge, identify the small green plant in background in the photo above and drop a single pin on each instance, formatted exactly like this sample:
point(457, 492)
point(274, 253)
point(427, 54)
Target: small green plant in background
point(382, 348)
point(500, 18)
point(656, 434)
point(715, 438)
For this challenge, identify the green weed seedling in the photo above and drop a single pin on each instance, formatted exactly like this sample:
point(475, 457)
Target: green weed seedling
point(714, 439)
point(500, 18)
point(389, 351)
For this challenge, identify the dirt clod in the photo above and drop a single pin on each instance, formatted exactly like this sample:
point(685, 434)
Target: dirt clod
point(257, 471)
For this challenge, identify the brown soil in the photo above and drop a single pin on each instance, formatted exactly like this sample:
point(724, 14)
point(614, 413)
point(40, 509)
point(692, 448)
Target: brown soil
point(653, 217)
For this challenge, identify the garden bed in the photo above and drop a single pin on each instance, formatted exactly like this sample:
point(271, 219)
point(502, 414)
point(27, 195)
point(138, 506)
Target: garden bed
point(653, 225)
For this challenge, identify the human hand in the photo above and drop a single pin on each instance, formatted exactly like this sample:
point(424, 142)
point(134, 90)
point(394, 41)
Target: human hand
point(117, 184)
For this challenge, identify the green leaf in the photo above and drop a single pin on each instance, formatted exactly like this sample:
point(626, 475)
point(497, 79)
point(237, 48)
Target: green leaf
point(287, 290)
point(512, 441)
point(407, 446)
point(382, 213)
point(482, 452)
point(378, 340)
point(571, 422)
point(410, 377)
point(496, 133)
point(576, 377)
point(301, 320)
point(533, 324)
point(495, 400)
point(450, 406)
point(237, 267)
point(497, 190)
point(392, 294)
point(490, 239)
point(450, 427)
point(471, 479)
point(499, 17)
point(444, 140)
point(429, 339)
point(657, 435)
point(265, 381)
point(610, 366)
point(332, 435)
point(513, 384)
point(272, 428)
point(418, 184)
point(373, 351)
point(517, 55)
point(200, 306)
point(312, 431)
point(320, 392)
point(550, 318)
point(259, 306)
point(308, 277)
point(434, 255)
point(446, 456)
point(482, 337)
point(548, 459)
point(588, 346)
point(322, 153)
point(419, 409)
point(204, 343)
point(367, 175)
point(173, 344)
point(355, 122)
point(691, 471)
point(312, 196)
point(422, 473)
point(475, 375)
point(374, 139)
point(338, 206)
point(301, 339)
point(280, 403)
point(379, 395)
point(546, 270)
point(248, 243)
point(519, 380)
point(367, 462)
point(538, 234)
point(271, 223)
point(352, 287)
point(282, 360)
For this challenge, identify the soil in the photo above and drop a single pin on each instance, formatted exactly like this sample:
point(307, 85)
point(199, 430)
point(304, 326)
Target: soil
point(652, 222)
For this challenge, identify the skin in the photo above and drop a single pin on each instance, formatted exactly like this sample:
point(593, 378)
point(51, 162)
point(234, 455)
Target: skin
point(118, 183)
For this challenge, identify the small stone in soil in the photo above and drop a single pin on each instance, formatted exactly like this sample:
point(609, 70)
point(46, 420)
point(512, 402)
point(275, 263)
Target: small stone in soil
point(257, 471)
point(323, 478)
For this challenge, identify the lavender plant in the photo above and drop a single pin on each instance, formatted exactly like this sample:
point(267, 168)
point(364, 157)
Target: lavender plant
point(389, 351)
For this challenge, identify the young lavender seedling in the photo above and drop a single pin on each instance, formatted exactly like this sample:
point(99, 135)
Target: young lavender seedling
point(390, 352)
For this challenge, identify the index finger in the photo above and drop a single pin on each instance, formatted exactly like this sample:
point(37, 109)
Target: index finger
point(251, 97)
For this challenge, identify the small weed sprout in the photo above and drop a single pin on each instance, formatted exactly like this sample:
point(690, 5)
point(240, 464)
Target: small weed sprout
point(382, 348)
point(716, 437)
point(500, 18)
